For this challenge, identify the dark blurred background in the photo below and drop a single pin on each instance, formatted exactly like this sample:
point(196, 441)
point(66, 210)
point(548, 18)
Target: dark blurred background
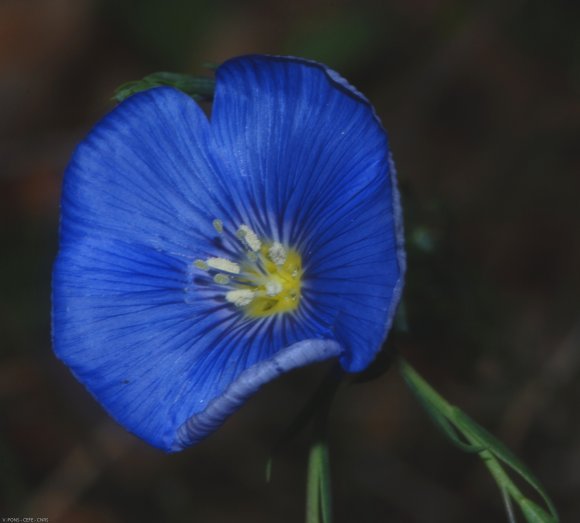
point(481, 101)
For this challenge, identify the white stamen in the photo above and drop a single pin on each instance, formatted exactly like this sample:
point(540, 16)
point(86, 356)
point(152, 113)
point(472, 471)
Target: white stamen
point(240, 297)
point(200, 264)
point(277, 253)
point(222, 264)
point(218, 225)
point(273, 288)
point(222, 279)
point(250, 237)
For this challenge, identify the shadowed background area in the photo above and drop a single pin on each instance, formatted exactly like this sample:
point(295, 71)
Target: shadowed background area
point(483, 110)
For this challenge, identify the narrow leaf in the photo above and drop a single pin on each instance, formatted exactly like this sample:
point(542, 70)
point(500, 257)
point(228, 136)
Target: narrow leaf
point(454, 422)
point(447, 428)
point(425, 394)
point(507, 500)
point(535, 514)
point(466, 424)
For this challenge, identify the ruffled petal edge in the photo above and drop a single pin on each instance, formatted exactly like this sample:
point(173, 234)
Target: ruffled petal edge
point(400, 244)
point(249, 382)
point(341, 82)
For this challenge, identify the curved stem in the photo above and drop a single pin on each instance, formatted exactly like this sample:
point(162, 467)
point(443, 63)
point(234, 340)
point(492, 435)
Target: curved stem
point(318, 490)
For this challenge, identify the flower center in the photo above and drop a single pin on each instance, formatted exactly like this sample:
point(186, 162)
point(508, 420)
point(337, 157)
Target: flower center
point(266, 278)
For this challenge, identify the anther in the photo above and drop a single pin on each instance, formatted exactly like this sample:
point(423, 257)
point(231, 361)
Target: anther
point(249, 237)
point(240, 297)
point(221, 279)
point(218, 225)
point(277, 253)
point(200, 264)
point(222, 264)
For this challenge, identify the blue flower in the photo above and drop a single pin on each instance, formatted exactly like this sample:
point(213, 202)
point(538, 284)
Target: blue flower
point(201, 258)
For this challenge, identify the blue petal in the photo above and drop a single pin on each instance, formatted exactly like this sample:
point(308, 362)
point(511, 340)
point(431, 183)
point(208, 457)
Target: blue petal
point(147, 171)
point(319, 177)
point(150, 342)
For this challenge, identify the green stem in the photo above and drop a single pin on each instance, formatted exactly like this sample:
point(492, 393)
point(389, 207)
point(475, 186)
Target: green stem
point(469, 436)
point(417, 383)
point(424, 390)
point(497, 471)
point(313, 484)
point(325, 492)
point(318, 493)
point(318, 490)
point(508, 506)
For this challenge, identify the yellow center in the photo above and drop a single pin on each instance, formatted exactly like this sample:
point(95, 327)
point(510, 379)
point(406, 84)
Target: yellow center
point(276, 287)
point(265, 282)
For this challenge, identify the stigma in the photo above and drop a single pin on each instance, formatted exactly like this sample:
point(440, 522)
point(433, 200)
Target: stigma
point(264, 277)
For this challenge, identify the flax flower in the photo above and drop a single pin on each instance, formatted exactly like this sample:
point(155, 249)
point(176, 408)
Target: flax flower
point(203, 257)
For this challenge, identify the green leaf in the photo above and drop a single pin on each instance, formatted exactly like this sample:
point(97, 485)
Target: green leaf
point(425, 395)
point(451, 432)
point(467, 425)
point(455, 424)
point(198, 87)
point(509, 508)
point(535, 514)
